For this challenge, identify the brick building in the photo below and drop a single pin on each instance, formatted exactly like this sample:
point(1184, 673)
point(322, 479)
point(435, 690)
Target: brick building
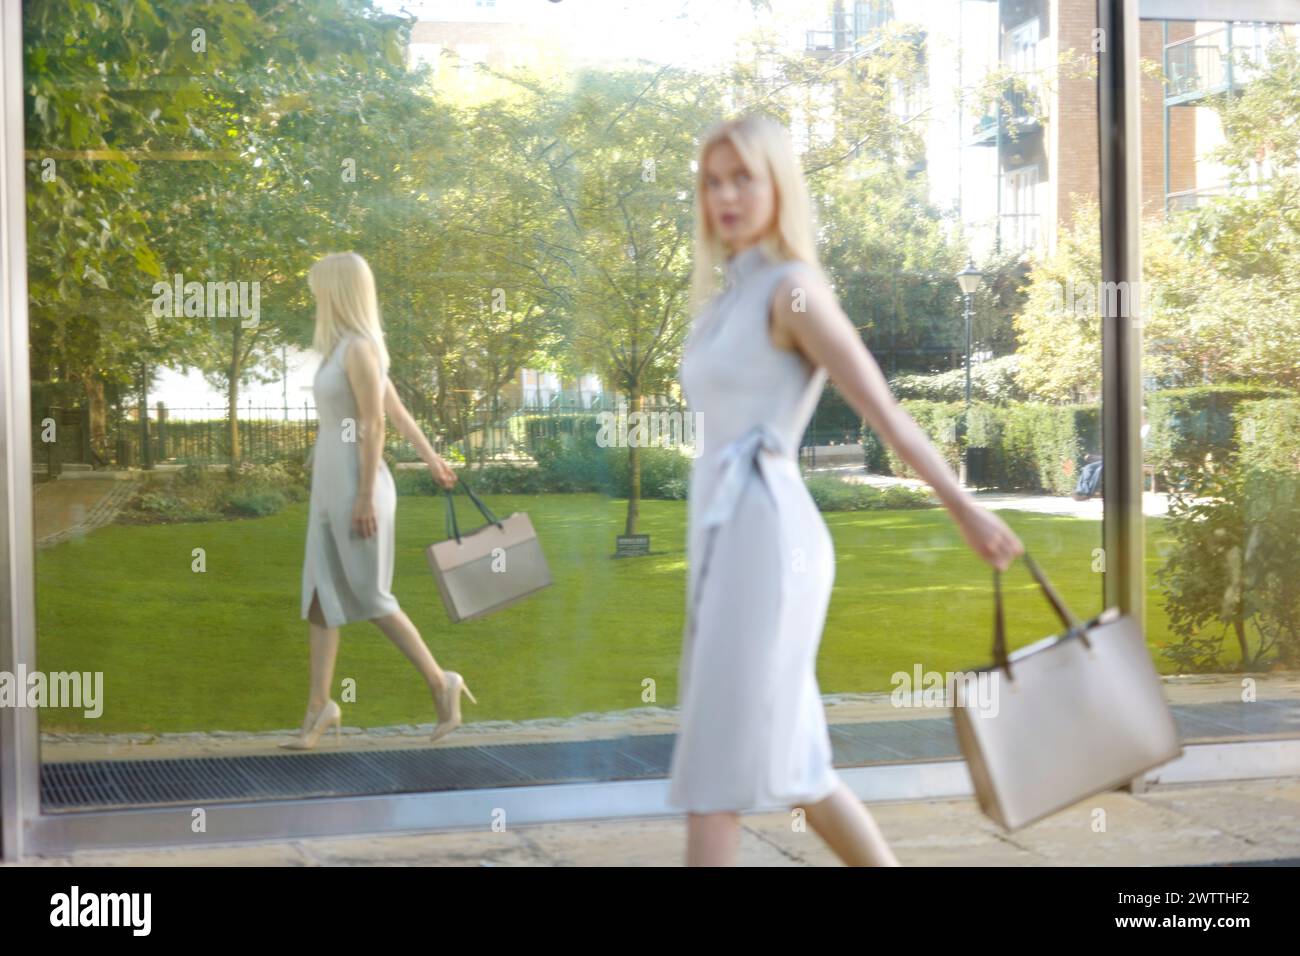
point(1012, 175)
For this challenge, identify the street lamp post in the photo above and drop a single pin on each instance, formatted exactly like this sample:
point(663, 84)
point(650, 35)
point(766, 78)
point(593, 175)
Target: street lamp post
point(968, 280)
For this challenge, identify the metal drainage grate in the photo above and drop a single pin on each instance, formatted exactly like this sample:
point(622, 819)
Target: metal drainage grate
point(109, 784)
point(84, 785)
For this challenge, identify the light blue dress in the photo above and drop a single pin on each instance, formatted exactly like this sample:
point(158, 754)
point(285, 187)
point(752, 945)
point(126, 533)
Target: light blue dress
point(753, 729)
point(354, 575)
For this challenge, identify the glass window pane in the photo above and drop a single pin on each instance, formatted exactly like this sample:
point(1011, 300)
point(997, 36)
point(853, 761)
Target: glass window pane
point(1220, 360)
point(521, 180)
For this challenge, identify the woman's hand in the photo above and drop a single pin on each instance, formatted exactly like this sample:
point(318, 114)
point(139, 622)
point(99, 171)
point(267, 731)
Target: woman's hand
point(442, 472)
point(363, 516)
point(989, 536)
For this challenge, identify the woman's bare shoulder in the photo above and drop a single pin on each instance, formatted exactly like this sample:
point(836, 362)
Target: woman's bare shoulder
point(799, 276)
point(799, 288)
point(365, 344)
point(361, 352)
point(797, 285)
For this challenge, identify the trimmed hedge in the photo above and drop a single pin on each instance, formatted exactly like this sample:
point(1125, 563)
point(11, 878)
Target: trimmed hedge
point(565, 467)
point(1268, 434)
point(1034, 447)
point(665, 474)
point(533, 430)
point(1189, 423)
point(1040, 447)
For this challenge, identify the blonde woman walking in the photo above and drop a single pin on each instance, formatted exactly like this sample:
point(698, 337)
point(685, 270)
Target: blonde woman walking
point(753, 729)
point(347, 571)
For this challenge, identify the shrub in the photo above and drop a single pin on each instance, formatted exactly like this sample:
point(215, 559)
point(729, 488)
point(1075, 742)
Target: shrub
point(1233, 567)
point(1187, 424)
point(493, 479)
point(674, 489)
point(660, 467)
point(1033, 446)
point(835, 494)
point(571, 465)
point(255, 504)
point(1267, 434)
point(199, 493)
point(665, 474)
point(152, 504)
point(873, 452)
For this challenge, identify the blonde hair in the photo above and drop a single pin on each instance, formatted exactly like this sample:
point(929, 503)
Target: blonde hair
point(765, 148)
point(346, 303)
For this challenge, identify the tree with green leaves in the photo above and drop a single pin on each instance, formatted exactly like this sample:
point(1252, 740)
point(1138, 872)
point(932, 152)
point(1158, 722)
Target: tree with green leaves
point(142, 121)
point(1198, 323)
point(1250, 236)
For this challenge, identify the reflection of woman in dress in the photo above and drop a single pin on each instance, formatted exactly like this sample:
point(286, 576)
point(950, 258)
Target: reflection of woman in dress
point(347, 569)
point(753, 728)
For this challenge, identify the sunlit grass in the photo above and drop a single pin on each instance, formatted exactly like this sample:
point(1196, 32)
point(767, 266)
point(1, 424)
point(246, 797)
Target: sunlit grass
point(225, 649)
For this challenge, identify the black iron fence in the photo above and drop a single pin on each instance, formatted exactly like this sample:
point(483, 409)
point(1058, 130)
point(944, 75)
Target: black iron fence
point(269, 432)
point(205, 435)
point(60, 434)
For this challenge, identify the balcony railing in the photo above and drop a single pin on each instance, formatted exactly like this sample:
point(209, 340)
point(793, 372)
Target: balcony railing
point(1215, 61)
point(549, 399)
point(846, 27)
point(1191, 198)
point(1019, 107)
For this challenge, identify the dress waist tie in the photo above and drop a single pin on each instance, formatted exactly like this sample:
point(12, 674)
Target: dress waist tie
point(738, 462)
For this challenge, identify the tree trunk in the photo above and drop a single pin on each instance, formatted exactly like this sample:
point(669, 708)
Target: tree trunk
point(1243, 643)
point(485, 412)
point(93, 387)
point(232, 408)
point(462, 415)
point(633, 467)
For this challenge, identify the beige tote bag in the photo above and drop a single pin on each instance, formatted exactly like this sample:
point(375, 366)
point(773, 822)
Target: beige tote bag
point(1064, 718)
point(489, 569)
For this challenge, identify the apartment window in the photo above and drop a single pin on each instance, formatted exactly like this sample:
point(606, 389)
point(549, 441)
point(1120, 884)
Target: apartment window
point(1020, 208)
point(1020, 47)
point(870, 14)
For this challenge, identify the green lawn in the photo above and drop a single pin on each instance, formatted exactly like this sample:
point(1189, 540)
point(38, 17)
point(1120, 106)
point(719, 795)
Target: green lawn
point(226, 649)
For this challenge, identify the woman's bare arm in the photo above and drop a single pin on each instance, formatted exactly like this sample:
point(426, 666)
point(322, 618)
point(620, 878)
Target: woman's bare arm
point(410, 430)
point(375, 395)
point(806, 313)
point(362, 365)
point(826, 337)
point(407, 426)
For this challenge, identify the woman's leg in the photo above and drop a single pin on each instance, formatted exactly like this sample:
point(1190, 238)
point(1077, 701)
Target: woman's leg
point(712, 839)
point(399, 629)
point(850, 830)
point(324, 651)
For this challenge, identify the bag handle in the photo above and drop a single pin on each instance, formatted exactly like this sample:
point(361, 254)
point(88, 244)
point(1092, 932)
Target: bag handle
point(1072, 624)
point(451, 510)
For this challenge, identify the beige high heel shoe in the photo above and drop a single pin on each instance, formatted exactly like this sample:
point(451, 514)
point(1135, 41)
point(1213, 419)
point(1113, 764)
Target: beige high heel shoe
point(449, 702)
point(331, 713)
